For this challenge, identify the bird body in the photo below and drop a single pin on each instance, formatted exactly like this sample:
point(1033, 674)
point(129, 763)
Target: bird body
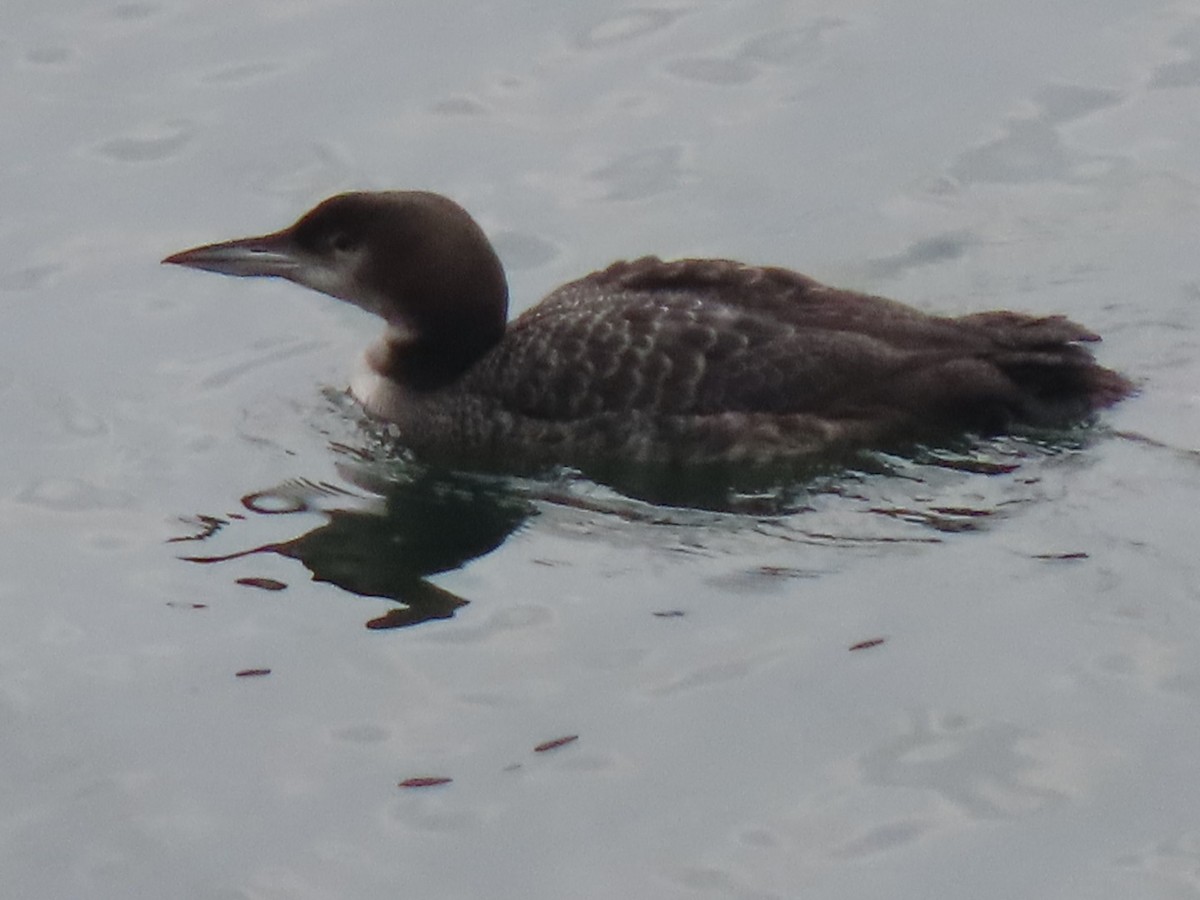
point(685, 362)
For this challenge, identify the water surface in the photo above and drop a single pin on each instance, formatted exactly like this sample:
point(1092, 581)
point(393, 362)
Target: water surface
point(1027, 726)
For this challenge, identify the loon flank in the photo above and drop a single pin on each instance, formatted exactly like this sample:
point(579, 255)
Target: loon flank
point(686, 362)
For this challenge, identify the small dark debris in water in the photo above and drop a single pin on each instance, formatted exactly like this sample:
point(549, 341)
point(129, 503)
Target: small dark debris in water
point(267, 584)
point(253, 673)
point(238, 516)
point(176, 604)
point(1076, 554)
point(556, 743)
point(512, 767)
point(425, 781)
point(669, 613)
point(867, 645)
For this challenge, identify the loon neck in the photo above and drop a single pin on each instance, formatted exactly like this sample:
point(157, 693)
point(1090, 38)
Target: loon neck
point(421, 361)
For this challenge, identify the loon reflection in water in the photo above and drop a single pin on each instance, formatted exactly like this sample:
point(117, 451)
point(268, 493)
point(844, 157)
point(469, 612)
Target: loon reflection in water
point(422, 526)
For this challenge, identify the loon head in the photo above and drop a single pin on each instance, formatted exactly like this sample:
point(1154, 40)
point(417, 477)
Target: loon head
point(416, 259)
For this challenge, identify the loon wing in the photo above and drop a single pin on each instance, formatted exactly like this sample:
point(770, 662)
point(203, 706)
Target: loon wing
point(702, 337)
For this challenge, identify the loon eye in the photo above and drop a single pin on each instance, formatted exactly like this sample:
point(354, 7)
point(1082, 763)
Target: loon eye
point(341, 242)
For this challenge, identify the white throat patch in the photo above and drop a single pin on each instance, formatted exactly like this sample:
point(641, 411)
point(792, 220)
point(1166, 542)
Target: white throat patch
point(379, 395)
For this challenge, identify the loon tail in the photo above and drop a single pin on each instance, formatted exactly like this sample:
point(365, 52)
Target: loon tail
point(1045, 358)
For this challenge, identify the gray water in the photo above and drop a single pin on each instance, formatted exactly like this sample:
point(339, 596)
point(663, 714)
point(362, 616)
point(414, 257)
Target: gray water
point(1028, 726)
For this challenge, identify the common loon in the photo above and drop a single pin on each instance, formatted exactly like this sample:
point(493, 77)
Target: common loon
point(686, 362)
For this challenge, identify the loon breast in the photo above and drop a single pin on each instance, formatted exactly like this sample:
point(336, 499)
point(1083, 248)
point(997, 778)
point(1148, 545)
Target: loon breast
point(687, 361)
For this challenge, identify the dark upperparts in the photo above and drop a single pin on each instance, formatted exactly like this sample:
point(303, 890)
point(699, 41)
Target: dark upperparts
point(669, 361)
